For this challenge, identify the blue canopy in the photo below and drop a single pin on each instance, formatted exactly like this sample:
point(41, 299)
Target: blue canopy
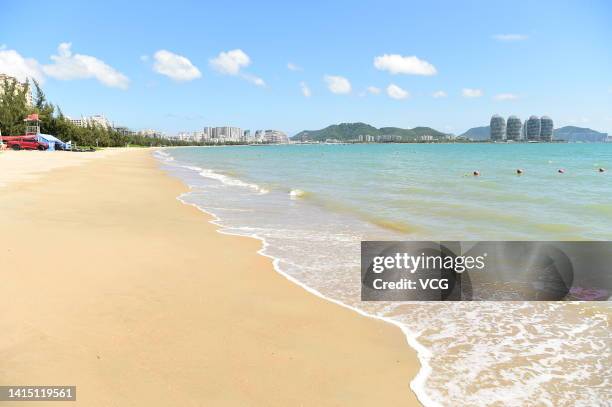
point(52, 141)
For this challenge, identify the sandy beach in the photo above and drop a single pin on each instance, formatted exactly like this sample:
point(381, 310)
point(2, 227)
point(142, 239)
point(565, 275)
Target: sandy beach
point(111, 284)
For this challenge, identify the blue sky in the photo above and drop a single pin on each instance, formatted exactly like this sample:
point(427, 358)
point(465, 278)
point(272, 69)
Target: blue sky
point(182, 65)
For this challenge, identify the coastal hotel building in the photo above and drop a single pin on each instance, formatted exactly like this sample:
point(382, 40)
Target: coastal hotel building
point(534, 129)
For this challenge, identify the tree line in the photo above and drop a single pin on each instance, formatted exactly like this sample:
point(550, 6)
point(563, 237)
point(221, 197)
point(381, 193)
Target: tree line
point(14, 108)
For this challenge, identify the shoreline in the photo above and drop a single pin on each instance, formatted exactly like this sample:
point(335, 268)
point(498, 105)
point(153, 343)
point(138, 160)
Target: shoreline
point(417, 384)
point(286, 321)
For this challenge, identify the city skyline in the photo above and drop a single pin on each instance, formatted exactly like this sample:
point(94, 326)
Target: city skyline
point(436, 66)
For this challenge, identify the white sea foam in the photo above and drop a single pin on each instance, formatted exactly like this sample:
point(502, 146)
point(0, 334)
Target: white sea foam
point(163, 155)
point(296, 193)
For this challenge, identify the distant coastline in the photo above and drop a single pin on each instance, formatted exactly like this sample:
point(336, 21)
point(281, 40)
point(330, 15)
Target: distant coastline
point(364, 133)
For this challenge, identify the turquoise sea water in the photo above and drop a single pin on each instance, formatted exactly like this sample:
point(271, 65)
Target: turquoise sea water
point(313, 204)
point(428, 189)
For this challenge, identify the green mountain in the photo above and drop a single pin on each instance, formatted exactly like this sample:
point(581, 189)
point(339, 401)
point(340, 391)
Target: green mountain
point(352, 131)
point(574, 134)
point(478, 133)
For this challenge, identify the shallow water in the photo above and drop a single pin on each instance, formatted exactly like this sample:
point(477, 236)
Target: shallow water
point(314, 204)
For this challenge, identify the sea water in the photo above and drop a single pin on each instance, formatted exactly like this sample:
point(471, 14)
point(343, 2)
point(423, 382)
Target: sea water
point(312, 205)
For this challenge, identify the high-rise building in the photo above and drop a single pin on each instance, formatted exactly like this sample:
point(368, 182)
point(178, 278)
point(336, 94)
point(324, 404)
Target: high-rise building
point(152, 133)
point(275, 136)
point(513, 128)
point(498, 128)
point(546, 128)
point(207, 134)
point(124, 131)
point(532, 129)
point(77, 122)
point(228, 133)
point(96, 120)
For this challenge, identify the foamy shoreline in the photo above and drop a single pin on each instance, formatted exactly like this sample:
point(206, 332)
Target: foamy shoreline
point(467, 345)
point(418, 382)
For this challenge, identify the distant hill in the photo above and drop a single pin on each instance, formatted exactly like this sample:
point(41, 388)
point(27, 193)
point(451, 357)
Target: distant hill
point(351, 131)
point(574, 134)
point(478, 133)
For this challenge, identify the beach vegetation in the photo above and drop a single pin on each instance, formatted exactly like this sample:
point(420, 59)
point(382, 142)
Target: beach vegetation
point(14, 108)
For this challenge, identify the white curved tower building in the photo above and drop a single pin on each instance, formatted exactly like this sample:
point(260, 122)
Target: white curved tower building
point(498, 128)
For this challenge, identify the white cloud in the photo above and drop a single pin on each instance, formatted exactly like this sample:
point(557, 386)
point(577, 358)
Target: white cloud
point(13, 64)
point(68, 66)
point(471, 93)
point(411, 65)
point(174, 66)
point(144, 58)
point(337, 84)
point(510, 37)
point(231, 63)
point(439, 94)
point(255, 80)
point(395, 92)
point(373, 90)
point(293, 67)
point(305, 89)
point(505, 96)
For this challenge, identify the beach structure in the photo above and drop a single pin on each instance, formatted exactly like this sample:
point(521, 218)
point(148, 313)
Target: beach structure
point(498, 128)
point(53, 142)
point(33, 130)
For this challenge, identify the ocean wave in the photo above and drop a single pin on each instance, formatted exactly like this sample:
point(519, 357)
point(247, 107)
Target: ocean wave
point(208, 173)
point(163, 155)
point(297, 194)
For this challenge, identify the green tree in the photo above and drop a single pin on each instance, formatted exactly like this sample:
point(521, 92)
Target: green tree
point(13, 107)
